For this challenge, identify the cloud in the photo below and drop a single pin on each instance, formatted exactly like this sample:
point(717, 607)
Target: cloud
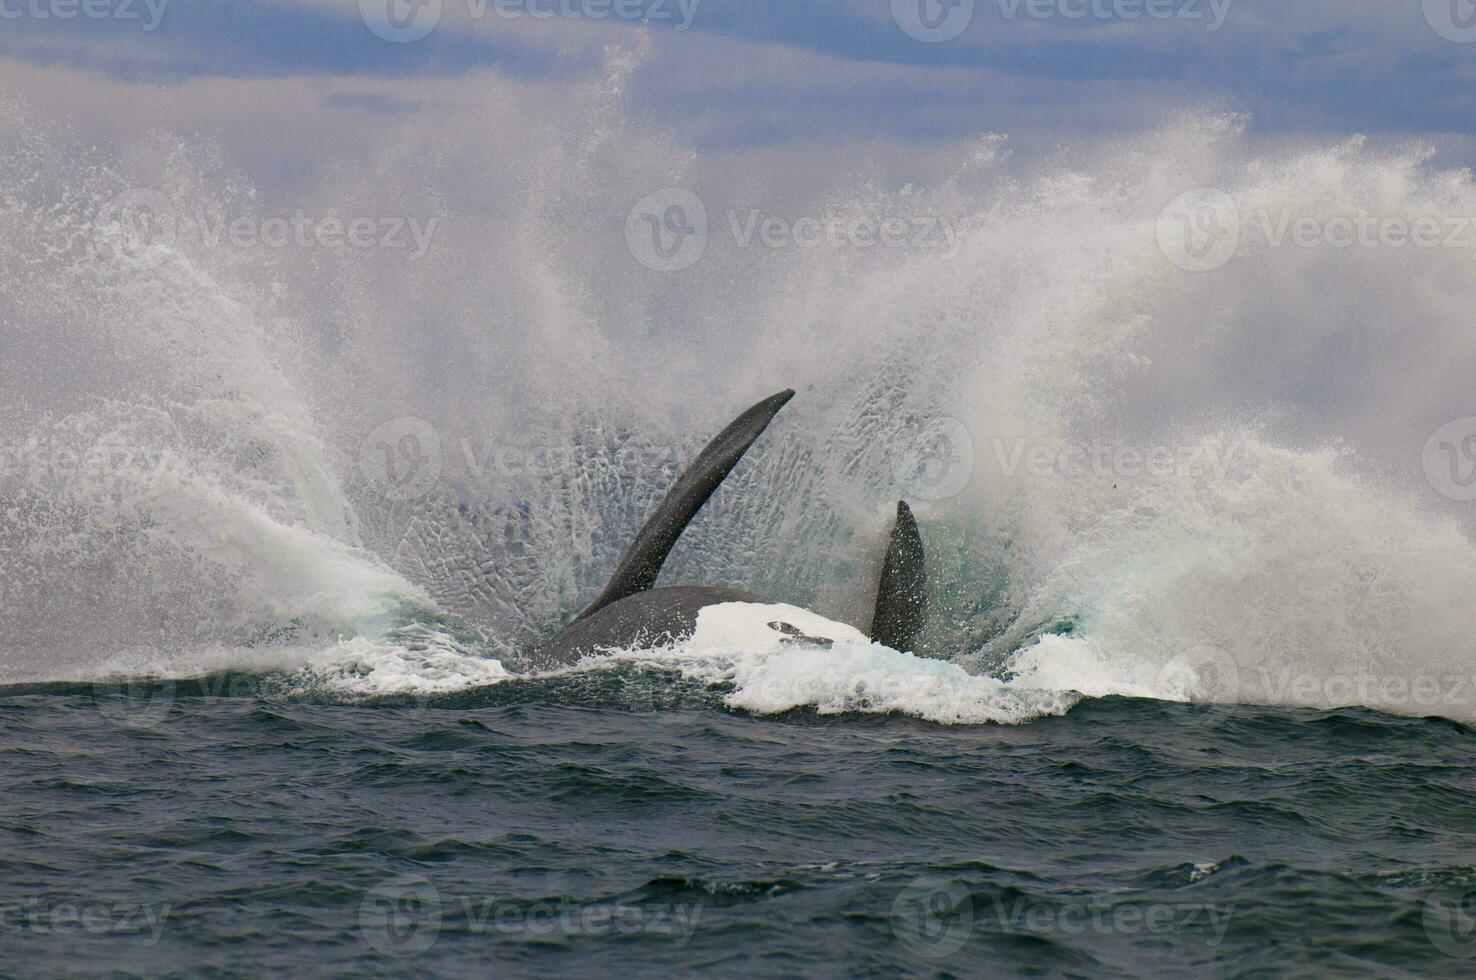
point(771, 72)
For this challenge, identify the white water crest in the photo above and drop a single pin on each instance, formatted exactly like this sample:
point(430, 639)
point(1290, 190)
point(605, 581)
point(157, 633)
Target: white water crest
point(205, 443)
point(836, 669)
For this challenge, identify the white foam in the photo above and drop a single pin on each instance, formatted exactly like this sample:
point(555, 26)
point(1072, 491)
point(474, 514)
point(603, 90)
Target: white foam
point(360, 667)
point(747, 625)
point(770, 673)
point(417, 661)
point(1069, 663)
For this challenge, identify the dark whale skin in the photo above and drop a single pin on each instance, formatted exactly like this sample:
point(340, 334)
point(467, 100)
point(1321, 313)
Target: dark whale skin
point(642, 620)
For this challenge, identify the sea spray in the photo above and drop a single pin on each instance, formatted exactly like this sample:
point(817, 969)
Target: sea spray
point(222, 445)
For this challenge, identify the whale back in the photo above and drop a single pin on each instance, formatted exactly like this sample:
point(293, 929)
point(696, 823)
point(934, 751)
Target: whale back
point(641, 620)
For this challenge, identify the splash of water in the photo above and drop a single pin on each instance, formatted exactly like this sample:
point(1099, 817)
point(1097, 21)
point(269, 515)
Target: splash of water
point(1292, 560)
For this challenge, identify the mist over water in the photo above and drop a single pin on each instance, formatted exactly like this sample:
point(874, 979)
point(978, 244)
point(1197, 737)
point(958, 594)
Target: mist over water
point(258, 508)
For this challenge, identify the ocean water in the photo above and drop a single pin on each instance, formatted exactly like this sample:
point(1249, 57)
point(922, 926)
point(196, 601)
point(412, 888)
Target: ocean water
point(279, 528)
point(628, 823)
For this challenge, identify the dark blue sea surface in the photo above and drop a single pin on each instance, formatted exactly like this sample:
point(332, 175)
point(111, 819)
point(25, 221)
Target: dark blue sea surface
point(625, 823)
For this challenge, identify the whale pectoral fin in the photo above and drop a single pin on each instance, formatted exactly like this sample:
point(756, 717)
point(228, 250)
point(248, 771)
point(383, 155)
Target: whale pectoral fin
point(642, 562)
point(902, 594)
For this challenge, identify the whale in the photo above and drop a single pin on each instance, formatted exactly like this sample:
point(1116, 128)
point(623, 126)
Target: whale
point(632, 612)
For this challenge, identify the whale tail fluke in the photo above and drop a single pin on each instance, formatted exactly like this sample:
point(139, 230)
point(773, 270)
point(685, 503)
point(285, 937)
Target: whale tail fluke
point(642, 563)
point(902, 594)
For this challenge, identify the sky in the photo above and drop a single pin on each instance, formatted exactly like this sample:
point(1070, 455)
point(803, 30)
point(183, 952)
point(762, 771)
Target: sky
point(735, 75)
